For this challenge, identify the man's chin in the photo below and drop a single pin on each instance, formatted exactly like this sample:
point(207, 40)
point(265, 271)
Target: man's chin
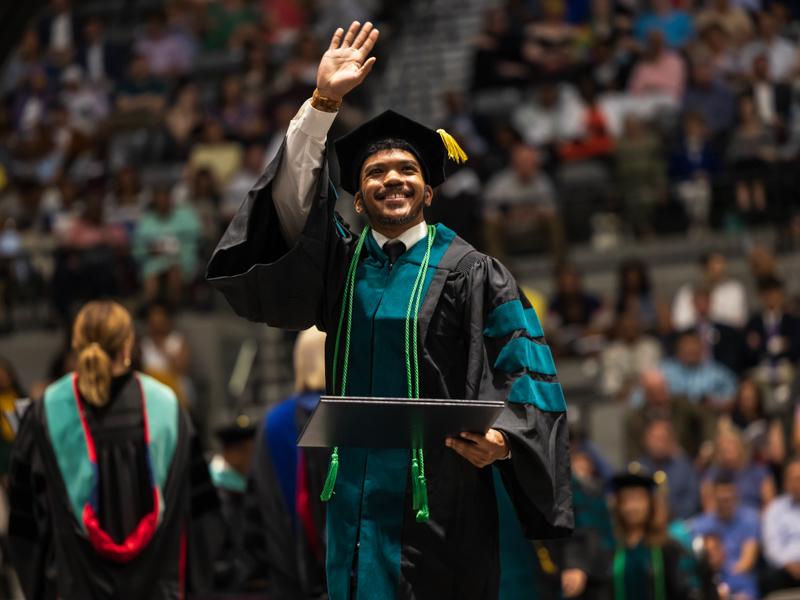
point(393, 218)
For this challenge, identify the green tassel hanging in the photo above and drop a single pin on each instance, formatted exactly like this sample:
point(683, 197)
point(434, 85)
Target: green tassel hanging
point(330, 481)
point(415, 480)
point(423, 514)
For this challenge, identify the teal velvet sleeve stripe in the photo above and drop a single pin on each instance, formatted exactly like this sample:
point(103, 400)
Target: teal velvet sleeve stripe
point(546, 396)
point(511, 316)
point(524, 353)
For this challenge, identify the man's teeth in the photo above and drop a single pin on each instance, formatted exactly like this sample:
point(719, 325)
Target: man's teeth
point(394, 196)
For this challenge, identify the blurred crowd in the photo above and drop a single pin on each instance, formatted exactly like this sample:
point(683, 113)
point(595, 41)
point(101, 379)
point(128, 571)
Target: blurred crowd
point(126, 149)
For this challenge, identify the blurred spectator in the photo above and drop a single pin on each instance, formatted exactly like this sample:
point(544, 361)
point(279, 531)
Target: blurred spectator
point(33, 102)
point(10, 390)
point(165, 244)
point(199, 189)
point(737, 526)
point(102, 61)
point(20, 64)
point(87, 105)
point(458, 205)
point(596, 141)
point(782, 535)
point(660, 72)
point(626, 358)
point(550, 41)
point(141, 96)
point(733, 20)
point(732, 459)
point(243, 181)
point(641, 173)
point(772, 336)
point(498, 55)
point(691, 424)
point(58, 30)
point(662, 453)
point(764, 434)
point(184, 120)
point(166, 54)
point(635, 294)
point(781, 52)
point(700, 380)
point(87, 262)
point(693, 167)
point(227, 20)
point(575, 315)
point(675, 25)
point(773, 101)
point(165, 352)
point(300, 71)
point(719, 342)
point(222, 157)
point(728, 297)
point(519, 200)
point(751, 152)
point(554, 116)
point(127, 199)
point(726, 65)
point(710, 98)
point(240, 119)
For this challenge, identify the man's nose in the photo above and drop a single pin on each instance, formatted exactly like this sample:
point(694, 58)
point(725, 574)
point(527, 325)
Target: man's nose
point(392, 177)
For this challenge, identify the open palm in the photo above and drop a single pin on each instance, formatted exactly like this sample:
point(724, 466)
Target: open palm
point(345, 64)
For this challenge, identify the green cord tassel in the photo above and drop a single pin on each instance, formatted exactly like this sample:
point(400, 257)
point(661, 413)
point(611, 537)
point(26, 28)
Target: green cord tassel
point(423, 514)
point(330, 481)
point(415, 481)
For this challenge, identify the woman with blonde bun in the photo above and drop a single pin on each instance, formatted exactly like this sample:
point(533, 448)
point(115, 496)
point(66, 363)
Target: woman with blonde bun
point(110, 493)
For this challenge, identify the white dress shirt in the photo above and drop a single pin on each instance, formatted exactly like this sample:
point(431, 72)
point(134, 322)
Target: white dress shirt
point(296, 179)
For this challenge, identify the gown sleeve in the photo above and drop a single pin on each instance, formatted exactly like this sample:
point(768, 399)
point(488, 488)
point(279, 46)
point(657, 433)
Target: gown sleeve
point(510, 360)
point(30, 527)
point(267, 280)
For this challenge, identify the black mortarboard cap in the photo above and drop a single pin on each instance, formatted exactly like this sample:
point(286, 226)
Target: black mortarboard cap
point(238, 431)
point(635, 476)
point(431, 147)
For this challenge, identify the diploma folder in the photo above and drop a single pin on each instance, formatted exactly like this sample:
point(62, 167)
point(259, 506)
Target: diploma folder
point(354, 422)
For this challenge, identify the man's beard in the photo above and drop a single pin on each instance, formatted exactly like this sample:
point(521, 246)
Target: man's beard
point(388, 221)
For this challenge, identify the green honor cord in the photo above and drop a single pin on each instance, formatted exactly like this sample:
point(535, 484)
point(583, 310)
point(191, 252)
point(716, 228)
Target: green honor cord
point(419, 487)
point(657, 558)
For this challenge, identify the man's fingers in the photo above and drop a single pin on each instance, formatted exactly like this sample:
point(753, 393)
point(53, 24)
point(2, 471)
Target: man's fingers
point(351, 34)
point(336, 39)
point(468, 451)
point(362, 35)
point(366, 68)
point(369, 43)
point(473, 437)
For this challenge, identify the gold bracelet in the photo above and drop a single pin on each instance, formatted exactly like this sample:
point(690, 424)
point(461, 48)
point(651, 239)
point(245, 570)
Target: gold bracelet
point(325, 104)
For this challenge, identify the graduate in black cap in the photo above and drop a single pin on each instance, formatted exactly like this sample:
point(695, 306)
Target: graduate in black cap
point(648, 564)
point(229, 470)
point(411, 310)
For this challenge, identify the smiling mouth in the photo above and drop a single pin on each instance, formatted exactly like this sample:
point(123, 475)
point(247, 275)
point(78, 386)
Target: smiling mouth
point(394, 196)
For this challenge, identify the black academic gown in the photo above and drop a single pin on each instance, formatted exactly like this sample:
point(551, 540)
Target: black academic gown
point(471, 313)
point(53, 556)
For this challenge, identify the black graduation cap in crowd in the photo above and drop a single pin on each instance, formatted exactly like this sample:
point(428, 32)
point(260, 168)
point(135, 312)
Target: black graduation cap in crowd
point(431, 147)
point(238, 431)
point(638, 476)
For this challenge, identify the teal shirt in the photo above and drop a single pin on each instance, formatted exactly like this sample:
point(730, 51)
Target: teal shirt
point(177, 234)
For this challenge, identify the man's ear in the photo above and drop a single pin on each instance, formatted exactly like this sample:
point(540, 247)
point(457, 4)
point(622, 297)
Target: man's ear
point(358, 202)
point(428, 197)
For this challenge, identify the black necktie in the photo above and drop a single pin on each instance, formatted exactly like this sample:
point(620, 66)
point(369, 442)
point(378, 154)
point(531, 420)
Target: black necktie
point(393, 251)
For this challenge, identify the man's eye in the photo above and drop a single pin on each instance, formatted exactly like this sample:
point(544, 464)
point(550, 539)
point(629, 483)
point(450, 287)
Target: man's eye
point(409, 168)
point(373, 171)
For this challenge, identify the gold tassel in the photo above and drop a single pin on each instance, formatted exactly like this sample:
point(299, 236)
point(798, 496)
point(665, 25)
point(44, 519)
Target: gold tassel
point(454, 151)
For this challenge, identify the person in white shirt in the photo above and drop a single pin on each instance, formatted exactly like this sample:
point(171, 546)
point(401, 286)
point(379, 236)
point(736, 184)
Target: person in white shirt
point(781, 52)
point(728, 297)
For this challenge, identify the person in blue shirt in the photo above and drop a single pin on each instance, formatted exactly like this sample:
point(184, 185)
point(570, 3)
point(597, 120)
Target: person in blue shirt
point(676, 26)
point(662, 453)
point(739, 530)
point(781, 535)
point(699, 380)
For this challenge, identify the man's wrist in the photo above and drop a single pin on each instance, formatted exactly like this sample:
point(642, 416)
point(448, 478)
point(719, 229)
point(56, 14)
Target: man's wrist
point(325, 101)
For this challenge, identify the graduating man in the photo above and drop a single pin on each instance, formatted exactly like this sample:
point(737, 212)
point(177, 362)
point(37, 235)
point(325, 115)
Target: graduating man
point(410, 310)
